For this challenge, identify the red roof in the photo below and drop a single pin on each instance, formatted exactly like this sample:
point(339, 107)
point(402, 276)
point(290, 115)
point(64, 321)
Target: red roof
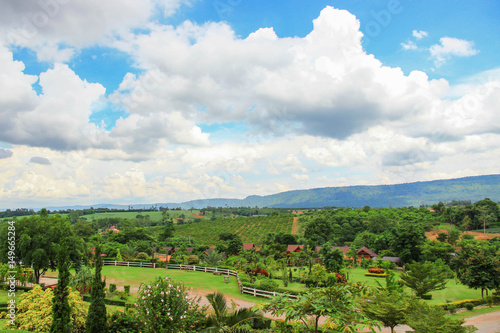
point(294, 248)
point(248, 246)
point(367, 251)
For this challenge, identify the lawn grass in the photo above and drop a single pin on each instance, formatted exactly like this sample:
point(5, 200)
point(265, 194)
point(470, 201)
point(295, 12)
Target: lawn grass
point(454, 291)
point(208, 282)
point(476, 312)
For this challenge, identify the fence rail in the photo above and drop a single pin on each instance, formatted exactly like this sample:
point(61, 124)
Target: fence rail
point(128, 263)
point(223, 271)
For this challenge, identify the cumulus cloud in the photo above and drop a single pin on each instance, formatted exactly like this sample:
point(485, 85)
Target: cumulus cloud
point(409, 45)
point(46, 25)
point(450, 47)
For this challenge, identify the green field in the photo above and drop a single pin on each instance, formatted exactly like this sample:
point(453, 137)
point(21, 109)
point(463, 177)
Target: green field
point(250, 229)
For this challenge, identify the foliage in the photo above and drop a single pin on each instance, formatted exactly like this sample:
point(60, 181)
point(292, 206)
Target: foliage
point(407, 240)
point(387, 307)
point(61, 321)
point(332, 259)
point(424, 318)
point(96, 318)
point(123, 322)
point(164, 306)
point(424, 278)
point(213, 258)
point(35, 238)
point(478, 265)
point(82, 280)
point(336, 302)
point(222, 320)
point(34, 312)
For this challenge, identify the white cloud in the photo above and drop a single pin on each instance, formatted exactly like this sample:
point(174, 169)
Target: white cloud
point(419, 34)
point(451, 47)
point(409, 45)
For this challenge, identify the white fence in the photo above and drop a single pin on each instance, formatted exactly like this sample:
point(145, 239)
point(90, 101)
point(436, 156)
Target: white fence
point(223, 271)
point(128, 263)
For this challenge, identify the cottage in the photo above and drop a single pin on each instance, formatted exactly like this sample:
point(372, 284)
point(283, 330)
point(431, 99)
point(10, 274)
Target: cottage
point(294, 248)
point(366, 253)
point(248, 246)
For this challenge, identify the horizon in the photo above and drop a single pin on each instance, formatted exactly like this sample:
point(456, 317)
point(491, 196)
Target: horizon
point(166, 101)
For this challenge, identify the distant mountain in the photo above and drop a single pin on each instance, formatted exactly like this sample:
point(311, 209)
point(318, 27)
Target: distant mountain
point(399, 195)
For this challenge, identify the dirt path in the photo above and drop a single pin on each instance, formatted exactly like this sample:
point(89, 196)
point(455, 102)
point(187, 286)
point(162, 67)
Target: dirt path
point(295, 225)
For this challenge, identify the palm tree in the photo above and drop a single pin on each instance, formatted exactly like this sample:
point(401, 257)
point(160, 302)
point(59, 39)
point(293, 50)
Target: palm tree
point(213, 258)
point(82, 280)
point(222, 321)
point(129, 252)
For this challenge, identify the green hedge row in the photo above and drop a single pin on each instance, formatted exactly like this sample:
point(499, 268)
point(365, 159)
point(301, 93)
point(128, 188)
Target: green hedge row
point(108, 301)
point(375, 274)
point(475, 302)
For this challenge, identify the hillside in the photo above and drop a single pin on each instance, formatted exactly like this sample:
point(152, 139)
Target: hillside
point(398, 195)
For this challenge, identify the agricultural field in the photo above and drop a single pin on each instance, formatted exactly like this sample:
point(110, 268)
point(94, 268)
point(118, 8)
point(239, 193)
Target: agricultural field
point(251, 229)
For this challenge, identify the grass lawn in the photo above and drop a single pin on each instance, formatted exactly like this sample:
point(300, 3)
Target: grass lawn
point(475, 312)
point(454, 291)
point(208, 282)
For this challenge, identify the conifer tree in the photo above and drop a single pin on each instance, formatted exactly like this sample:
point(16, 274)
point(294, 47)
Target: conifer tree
point(96, 318)
point(61, 311)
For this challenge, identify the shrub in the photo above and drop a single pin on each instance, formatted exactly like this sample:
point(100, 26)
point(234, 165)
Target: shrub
point(375, 275)
point(427, 296)
point(268, 284)
point(142, 256)
point(164, 306)
point(126, 288)
point(112, 287)
point(452, 309)
point(123, 323)
point(469, 306)
point(34, 312)
point(193, 259)
point(376, 270)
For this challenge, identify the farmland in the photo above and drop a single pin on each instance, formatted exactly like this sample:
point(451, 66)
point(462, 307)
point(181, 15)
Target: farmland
point(251, 229)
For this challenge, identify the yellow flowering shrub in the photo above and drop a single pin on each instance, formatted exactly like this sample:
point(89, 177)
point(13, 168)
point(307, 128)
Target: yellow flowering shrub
point(34, 311)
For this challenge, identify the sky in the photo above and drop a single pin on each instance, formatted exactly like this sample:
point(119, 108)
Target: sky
point(151, 101)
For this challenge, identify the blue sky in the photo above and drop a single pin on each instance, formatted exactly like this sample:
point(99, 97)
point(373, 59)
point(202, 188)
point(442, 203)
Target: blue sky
point(172, 100)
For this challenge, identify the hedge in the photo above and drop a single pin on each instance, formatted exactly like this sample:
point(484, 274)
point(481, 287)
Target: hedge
point(375, 274)
point(475, 302)
point(108, 301)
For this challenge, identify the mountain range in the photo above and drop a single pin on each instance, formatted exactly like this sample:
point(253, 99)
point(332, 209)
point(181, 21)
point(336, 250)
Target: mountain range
point(398, 195)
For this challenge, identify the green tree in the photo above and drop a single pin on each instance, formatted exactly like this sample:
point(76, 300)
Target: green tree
point(332, 259)
point(424, 318)
point(386, 307)
point(424, 278)
point(407, 240)
point(234, 246)
point(61, 321)
point(213, 258)
point(337, 302)
point(478, 265)
point(36, 239)
point(433, 250)
point(96, 318)
point(82, 280)
point(222, 320)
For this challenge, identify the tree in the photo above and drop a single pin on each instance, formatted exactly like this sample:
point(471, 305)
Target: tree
point(213, 258)
point(96, 318)
point(36, 240)
point(478, 265)
point(319, 229)
point(167, 231)
point(82, 280)
point(424, 278)
point(235, 246)
point(424, 318)
point(336, 302)
point(387, 307)
point(406, 241)
point(61, 321)
point(224, 321)
point(433, 250)
point(332, 259)
point(34, 311)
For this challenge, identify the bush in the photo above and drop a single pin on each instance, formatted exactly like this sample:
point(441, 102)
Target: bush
point(112, 287)
point(376, 270)
point(452, 309)
point(427, 297)
point(193, 259)
point(123, 323)
point(375, 275)
point(126, 288)
point(469, 306)
point(165, 306)
point(268, 284)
